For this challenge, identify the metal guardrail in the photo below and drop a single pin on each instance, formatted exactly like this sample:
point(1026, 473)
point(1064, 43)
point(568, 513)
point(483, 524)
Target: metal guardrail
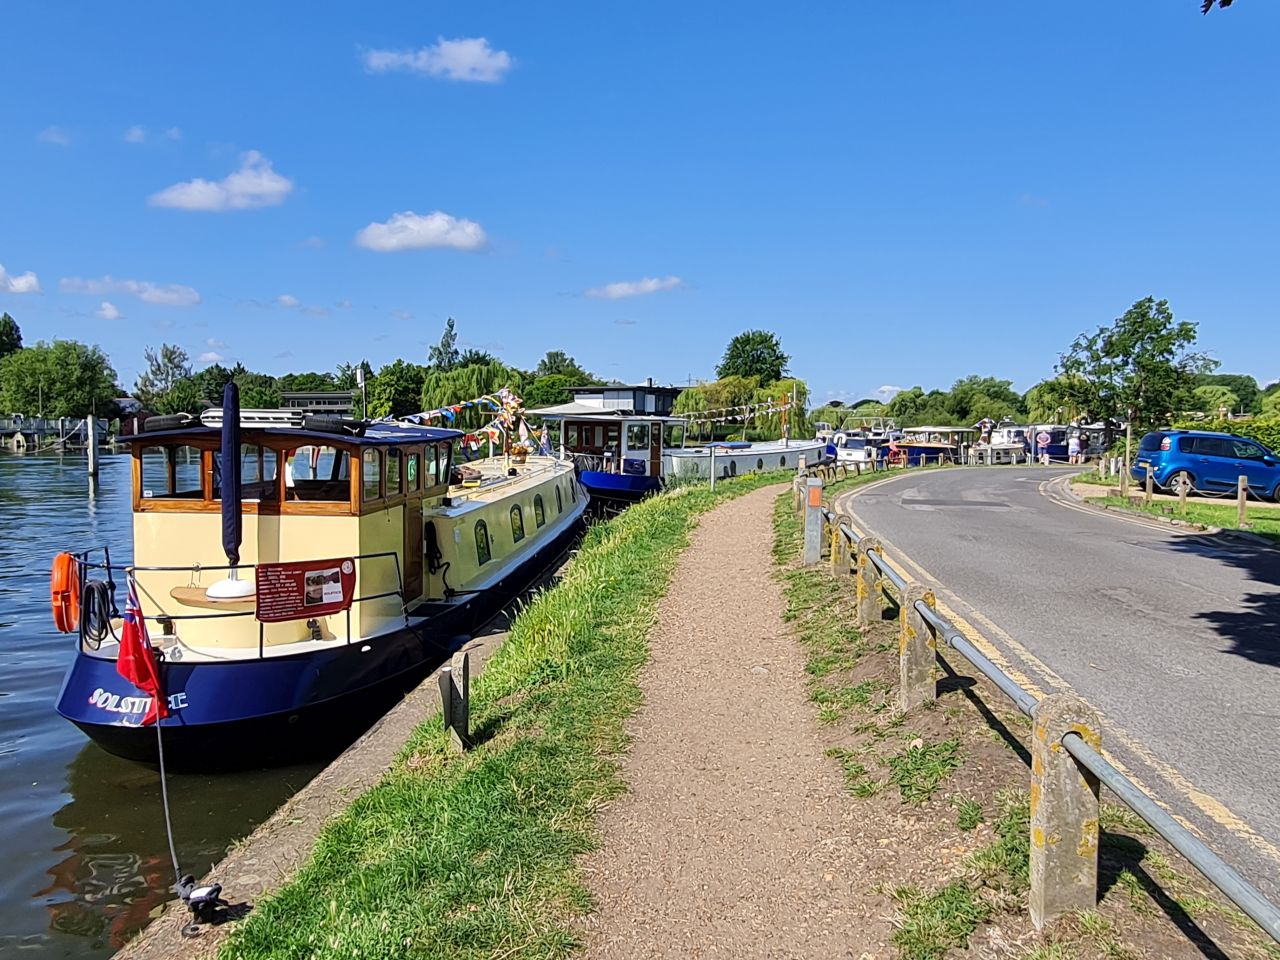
point(1067, 763)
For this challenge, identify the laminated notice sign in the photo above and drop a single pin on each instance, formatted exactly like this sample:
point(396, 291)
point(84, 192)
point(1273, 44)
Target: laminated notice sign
point(304, 589)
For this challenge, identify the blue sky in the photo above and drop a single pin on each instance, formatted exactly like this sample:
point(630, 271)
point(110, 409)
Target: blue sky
point(906, 193)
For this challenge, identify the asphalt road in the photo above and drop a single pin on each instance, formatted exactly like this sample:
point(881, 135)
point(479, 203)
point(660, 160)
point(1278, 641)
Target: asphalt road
point(1173, 637)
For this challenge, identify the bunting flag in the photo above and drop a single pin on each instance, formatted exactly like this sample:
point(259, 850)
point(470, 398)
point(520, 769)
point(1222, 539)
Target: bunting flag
point(504, 402)
point(743, 413)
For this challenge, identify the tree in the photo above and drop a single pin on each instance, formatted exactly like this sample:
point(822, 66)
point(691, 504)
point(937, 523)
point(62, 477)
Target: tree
point(755, 353)
point(396, 390)
point(1207, 5)
point(444, 355)
point(440, 388)
point(60, 379)
point(185, 396)
point(1141, 367)
point(211, 381)
point(474, 357)
point(164, 369)
point(914, 408)
point(557, 363)
point(549, 390)
point(974, 398)
point(1271, 405)
point(1214, 398)
point(1248, 394)
point(10, 336)
point(290, 382)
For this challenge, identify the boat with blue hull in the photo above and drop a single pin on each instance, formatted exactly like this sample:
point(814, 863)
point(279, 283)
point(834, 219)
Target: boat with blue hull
point(366, 557)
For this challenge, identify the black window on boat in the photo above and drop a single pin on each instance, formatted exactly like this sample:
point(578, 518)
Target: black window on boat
point(444, 454)
point(637, 436)
point(412, 473)
point(517, 524)
point(760, 463)
point(539, 511)
point(318, 473)
point(559, 501)
point(171, 473)
point(573, 491)
point(482, 543)
point(673, 435)
point(782, 461)
point(371, 475)
point(394, 461)
point(259, 473)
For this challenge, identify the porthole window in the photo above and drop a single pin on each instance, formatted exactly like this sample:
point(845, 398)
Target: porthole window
point(482, 543)
point(760, 464)
point(559, 501)
point(782, 461)
point(539, 511)
point(517, 524)
point(733, 468)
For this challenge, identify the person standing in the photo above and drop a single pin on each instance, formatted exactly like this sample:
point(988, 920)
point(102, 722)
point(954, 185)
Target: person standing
point(1073, 449)
point(1042, 446)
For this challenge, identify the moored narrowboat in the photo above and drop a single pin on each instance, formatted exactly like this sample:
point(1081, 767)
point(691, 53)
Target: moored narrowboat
point(363, 552)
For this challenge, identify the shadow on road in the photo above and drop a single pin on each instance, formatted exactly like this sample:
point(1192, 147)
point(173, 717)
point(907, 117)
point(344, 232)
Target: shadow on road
point(1253, 632)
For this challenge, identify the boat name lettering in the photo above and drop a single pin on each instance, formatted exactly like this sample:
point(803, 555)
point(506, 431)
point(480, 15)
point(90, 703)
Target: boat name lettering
point(115, 703)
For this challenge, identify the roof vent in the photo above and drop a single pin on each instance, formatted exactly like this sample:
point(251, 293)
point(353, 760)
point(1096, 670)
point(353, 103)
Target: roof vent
point(256, 418)
point(169, 421)
point(344, 425)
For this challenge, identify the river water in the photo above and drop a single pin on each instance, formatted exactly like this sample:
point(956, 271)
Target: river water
point(85, 862)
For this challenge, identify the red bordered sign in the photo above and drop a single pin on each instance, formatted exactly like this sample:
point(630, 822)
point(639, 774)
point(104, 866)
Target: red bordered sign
point(305, 589)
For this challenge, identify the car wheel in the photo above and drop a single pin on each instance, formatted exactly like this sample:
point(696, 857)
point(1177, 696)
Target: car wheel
point(1181, 481)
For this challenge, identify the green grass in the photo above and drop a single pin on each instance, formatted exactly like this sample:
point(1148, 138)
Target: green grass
point(1265, 520)
point(933, 923)
point(918, 770)
point(1005, 861)
point(968, 812)
point(856, 776)
point(471, 856)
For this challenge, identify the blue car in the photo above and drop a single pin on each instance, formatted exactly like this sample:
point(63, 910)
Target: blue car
point(1207, 462)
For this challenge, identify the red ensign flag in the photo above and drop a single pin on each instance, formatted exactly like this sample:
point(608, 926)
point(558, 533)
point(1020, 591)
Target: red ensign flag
point(137, 662)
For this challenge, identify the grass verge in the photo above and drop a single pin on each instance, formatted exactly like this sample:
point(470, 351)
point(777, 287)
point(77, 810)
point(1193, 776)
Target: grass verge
point(1265, 521)
point(474, 856)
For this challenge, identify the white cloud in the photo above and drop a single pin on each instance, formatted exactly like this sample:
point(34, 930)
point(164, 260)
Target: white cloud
point(285, 300)
point(469, 59)
point(108, 311)
point(343, 304)
point(213, 343)
point(55, 135)
point(414, 231)
point(21, 283)
point(210, 356)
point(255, 184)
point(166, 295)
point(173, 133)
point(135, 134)
point(887, 392)
point(404, 315)
point(634, 288)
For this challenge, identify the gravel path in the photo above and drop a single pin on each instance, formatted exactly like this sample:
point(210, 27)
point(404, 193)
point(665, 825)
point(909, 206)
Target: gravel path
point(736, 838)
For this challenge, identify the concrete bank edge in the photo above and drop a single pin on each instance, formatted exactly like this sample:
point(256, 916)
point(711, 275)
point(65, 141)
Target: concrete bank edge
point(269, 857)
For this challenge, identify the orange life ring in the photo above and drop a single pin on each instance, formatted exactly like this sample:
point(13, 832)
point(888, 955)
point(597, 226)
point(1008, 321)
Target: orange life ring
point(64, 592)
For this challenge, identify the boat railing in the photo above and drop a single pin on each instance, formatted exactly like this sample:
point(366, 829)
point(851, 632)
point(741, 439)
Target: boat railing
point(85, 564)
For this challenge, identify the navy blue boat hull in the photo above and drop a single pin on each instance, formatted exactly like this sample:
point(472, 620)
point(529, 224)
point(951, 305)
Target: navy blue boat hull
point(243, 712)
point(618, 488)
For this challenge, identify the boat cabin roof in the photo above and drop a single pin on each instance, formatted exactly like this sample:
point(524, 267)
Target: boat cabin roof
point(616, 417)
point(938, 430)
point(374, 434)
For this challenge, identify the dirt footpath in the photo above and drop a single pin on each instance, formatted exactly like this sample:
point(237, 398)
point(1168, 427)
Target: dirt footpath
point(736, 838)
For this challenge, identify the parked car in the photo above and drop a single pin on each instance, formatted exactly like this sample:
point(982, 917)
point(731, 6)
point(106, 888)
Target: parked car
point(1208, 462)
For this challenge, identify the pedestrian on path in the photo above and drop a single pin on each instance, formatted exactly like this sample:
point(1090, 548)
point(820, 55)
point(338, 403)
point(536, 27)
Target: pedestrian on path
point(1042, 446)
point(1073, 449)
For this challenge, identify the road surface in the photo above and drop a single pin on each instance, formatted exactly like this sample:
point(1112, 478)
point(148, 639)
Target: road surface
point(1174, 637)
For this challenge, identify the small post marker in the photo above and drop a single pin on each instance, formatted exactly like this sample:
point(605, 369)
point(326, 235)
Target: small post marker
point(839, 548)
point(1242, 499)
point(455, 700)
point(1183, 489)
point(813, 521)
point(917, 650)
point(1149, 489)
point(1064, 811)
point(868, 583)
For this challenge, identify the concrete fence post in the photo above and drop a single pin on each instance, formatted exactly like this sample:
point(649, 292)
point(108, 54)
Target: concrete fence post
point(1064, 811)
point(917, 650)
point(868, 583)
point(839, 548)
point(813, 521)
point(455, 700)
point(1242, 500)
point(797, 495)
point(1149, 489)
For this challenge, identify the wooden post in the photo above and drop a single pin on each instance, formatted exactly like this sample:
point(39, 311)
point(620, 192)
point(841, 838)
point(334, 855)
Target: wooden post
point(1183, 489)
point(1149, 490)
point(1064, 811)
point(1242, 498)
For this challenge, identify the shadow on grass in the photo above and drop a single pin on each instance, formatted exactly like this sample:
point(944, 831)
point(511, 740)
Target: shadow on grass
point(968, 686)
point(1120, 854)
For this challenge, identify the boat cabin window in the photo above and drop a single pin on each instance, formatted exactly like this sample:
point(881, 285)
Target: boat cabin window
point(444, 456)
point(539, 511)
point(559, 502)
point(371, 475)
point(673, 435)
point(573, 491)
point(517, 524)
point(259, 473)
point(412, 473)
point(171, 473)
point(482, 543)
point(394, 459)
point(318, 473)
point(637, 436)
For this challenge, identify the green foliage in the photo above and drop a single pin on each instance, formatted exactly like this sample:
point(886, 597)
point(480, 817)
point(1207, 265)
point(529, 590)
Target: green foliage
point(1245, 387)
point(443, 387)
point(919, 769)
point(1053, 401)
point(1212, 398)
point(1141, 367)
point(185, 396)
point(211, 381)
point(60, 379)
point(472, 357)
point(1266, 430)
point(165, 367)
point(968, 813)
point(1271, 406)
point(397, 389)
point(292, 382)
point(915, 408)
point(557, 363)
point(973, 397)
point(754, 354)
point(444, 355)
point(10, 336)
point(549, 390)
point(933, 923)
